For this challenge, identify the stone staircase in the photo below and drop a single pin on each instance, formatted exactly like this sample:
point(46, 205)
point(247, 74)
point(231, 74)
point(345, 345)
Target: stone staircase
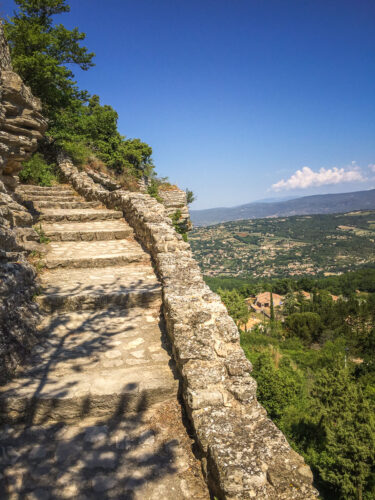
point(95, 413)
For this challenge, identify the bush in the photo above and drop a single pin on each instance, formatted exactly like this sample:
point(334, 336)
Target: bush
point(190, 196)
point(78, 152)
point(153, 190)
point(306, 326)
point(37, 171)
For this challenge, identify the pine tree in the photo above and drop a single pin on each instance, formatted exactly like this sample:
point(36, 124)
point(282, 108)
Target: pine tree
point(344, 448)
point(272, 311)
point(41, 52)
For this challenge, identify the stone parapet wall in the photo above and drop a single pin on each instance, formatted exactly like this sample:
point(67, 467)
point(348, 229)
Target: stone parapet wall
point(175, 200)
point(243, 453)
point(103, 179)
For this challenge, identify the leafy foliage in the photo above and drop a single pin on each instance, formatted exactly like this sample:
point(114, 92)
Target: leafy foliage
point(304, 325)
point(235, 305)
point(153, 190)
point(322, 395)
point(42, 53)
point(343, 284)
point(179, 225)
point(37, 171)
point(190, 196)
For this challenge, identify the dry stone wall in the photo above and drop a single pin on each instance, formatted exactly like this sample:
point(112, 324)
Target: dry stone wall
point(175, 201)
point(243, 453)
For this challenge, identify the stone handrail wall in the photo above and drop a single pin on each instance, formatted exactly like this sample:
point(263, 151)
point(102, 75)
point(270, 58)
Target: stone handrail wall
point(103, 179)
point(176, 200)
point(244, 455)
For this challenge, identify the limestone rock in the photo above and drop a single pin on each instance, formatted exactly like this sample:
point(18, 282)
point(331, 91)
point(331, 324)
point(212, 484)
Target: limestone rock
point(175, 200)
point(21, 121)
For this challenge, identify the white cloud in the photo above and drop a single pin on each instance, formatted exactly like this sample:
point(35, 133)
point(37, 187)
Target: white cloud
point(305, 177)
point(372, 167)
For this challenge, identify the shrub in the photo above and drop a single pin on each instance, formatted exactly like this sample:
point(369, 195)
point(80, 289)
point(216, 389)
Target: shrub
point(153, 190)
point(37, 171)
point(78, 152)
point(190, 196)
point(306, 326)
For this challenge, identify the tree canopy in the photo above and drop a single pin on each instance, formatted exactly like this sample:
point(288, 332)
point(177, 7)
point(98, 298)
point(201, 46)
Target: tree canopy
point(44, 53)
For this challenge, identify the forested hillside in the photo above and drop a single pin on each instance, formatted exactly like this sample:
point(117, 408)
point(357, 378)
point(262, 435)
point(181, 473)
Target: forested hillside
point(313, 359)
point(286, 246)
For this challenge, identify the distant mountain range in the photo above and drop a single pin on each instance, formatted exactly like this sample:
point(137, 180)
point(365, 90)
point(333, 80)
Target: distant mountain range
point(316, 204)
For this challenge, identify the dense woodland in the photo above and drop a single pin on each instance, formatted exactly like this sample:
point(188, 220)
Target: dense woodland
point(315, 367)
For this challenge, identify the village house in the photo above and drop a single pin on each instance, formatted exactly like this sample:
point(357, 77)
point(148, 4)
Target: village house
point(263, 300)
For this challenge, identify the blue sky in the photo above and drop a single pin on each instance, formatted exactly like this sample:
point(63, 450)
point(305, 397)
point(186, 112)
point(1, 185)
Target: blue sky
point(239, 99)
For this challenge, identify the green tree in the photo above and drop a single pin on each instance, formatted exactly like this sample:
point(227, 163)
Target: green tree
point(290, 304)
point(306, 326)
point(344, 444)
point(190, 196)
point(272, 310)
point(237, 307)
point(279, 386)
point(41, 51)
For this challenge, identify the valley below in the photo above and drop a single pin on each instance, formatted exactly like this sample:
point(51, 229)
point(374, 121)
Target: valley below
point(319, 245)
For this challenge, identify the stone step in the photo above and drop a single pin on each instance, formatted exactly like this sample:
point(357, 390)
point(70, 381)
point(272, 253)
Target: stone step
point(79, 215)
point(47, 194)
point(139, 456)
point(65, 198)
point(91, 254)
point(82, 289)
point(92, 364)
point(44, 189)
point(88, 231)
point(71, 204)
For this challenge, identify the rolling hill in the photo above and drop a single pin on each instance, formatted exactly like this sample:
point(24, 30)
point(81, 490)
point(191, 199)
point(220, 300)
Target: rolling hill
point(316, 204)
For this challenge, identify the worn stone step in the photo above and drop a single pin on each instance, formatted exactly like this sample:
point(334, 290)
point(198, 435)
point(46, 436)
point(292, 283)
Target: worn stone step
point(71, 204)
point(65, 198)
point(90, 254)
point(59, 215)
point(46, 194)
point(44, 189)
point(88, 231)
point(83, 289)
point(139, 456)
point(104, 346)
point(91, 364)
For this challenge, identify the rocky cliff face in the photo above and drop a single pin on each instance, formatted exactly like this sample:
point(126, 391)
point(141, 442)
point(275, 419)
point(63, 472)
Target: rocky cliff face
point(21, 125)
point(21, 121)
